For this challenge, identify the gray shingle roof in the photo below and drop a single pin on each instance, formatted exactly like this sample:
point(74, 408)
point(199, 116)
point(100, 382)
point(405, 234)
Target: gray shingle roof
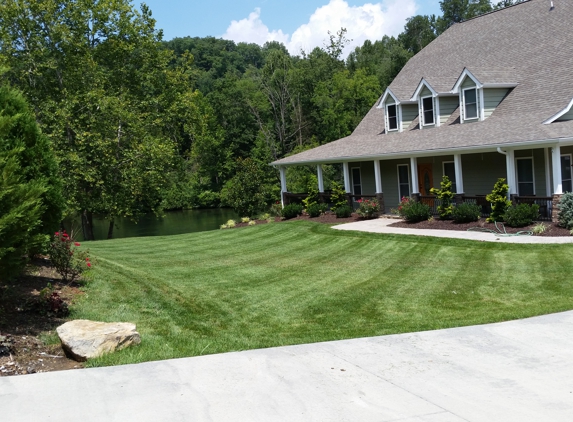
point(527, 44)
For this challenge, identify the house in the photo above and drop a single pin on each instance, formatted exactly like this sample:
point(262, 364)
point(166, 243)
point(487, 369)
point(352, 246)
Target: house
point(490, 98)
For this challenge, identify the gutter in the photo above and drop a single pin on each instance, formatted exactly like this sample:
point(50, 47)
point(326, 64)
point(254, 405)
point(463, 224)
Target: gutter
point(429, 153)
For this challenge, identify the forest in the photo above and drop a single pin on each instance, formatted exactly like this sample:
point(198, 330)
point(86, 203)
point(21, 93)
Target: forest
point(102, 116)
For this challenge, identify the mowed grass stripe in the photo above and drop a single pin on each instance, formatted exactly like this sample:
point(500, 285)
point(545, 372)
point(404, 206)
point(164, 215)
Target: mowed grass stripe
point(300, 282)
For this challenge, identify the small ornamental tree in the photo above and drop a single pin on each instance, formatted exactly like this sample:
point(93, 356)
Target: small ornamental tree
point(565, 206)
point(498, 200)
point(446, 196)
point(338, 196)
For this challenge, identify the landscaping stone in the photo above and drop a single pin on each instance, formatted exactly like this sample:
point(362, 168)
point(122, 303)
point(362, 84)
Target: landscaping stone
point(83, 339)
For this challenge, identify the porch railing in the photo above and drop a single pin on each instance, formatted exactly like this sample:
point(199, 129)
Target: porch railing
point(481, 202)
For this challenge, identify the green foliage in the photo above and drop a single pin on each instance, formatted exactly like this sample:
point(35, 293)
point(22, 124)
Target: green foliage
point(413, 211)
point(31, 205)
point(368, 208)
point(312, 198)
point(245, 192)
point(315, 210)
point(343, 211)
point(466, 213)
point(565, 207)
point(498, 200)
point(338, 197)
point(67, 259)
point(446, 196)
point(419, 31)
point(539, 228)
point(521, 215)
point(291, 211)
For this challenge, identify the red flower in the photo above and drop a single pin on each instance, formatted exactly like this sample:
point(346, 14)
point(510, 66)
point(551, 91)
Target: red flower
point(57, 234)
point(87, 259)
point(89, 264)
point(77, 243)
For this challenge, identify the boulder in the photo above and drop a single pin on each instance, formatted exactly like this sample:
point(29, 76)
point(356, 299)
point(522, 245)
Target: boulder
point(83, 339)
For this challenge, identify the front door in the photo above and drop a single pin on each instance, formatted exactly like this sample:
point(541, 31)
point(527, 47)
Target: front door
point(425, 179)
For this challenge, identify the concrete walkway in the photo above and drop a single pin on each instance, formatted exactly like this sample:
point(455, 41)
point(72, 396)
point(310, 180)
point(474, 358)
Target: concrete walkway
point(511, 371)
point(380, 225)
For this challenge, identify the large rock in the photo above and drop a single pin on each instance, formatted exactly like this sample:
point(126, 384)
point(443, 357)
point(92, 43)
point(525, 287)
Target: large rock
point(83, 339)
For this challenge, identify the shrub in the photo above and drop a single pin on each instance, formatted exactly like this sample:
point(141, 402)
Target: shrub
point(231, 223)
point(291, 211)
point(565, 207)
point(252, 223)
point(413, 211)
point(539, 228)
point(466, 213)
point(498, 200)
point(446, 196)
point(245, 219)
point(67, 259)
point(343, 211)
point(368, 208)
point(521, 215)
point(314, 210)
point(338, 197)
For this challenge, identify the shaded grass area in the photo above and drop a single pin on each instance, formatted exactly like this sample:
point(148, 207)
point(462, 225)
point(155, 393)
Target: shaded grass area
point(302, 282)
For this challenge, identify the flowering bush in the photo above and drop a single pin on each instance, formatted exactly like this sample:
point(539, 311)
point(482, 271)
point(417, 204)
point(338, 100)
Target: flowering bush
point(412, 211)
point(67, 259)
point(368, 208)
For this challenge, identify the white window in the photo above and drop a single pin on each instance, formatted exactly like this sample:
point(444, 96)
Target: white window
point(470, 104)
point(427, 111)
point(450, 171)
point(403, 180)
point(356, 181)
point(566, 173)
point(525, 177)
point(392, 116)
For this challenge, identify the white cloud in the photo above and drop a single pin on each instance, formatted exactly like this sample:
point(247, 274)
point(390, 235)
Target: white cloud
point(370, 21)
point(253, 30)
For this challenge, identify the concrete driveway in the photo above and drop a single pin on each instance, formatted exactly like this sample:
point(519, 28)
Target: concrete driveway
point(512, 371)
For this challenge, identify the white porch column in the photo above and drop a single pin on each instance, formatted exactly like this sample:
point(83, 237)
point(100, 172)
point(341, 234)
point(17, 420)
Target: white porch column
point(414, 173)
point(282, 171)
point(320, 178)
point(510, 166)
point(346, 172)
point(458, 172)
point(377, 176)
point(547, 172)
point(556, 161)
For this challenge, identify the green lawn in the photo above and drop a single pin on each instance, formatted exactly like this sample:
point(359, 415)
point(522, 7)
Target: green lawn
point(301, 282)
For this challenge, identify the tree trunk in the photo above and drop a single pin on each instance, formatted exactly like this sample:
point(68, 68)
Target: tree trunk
point(87, 225)
point(110, 229)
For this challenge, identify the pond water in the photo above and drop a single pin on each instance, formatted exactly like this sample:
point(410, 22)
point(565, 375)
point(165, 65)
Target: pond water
point(174, 222)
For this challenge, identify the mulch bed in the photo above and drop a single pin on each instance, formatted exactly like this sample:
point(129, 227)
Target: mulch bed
point(25, 317)
point(437, 224)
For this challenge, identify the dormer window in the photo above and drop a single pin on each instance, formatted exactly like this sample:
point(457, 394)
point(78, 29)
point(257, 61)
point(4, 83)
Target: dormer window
point(428, 111)
point(470, 104)
point(392, 114)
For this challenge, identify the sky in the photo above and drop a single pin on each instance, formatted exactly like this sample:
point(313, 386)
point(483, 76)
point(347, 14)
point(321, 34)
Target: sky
point(298, 24)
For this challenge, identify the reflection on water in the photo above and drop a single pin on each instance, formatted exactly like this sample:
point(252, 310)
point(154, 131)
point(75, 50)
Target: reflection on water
point(174, 222)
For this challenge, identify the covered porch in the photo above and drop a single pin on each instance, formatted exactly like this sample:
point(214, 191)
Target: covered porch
point(536, 174)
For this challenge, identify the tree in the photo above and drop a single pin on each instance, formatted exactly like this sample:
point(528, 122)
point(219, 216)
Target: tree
point(419, 31)
point(100, 83)
point(30, 190)
point(245, 192)
point(455, 11)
